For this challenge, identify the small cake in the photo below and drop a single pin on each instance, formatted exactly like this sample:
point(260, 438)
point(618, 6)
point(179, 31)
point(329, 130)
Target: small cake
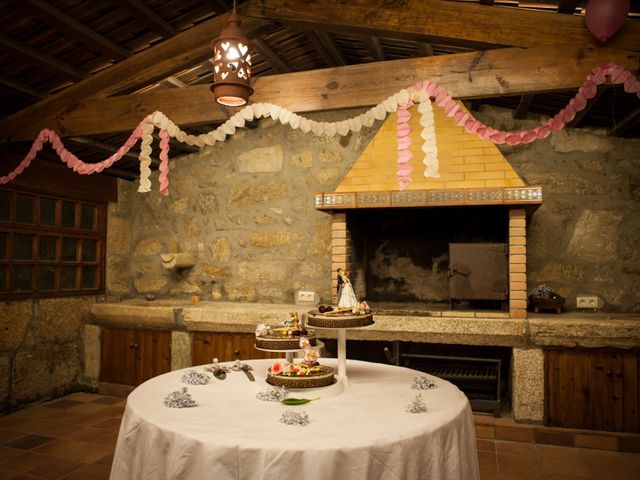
point(286, 337)
point(341, 317)
point(306, 374)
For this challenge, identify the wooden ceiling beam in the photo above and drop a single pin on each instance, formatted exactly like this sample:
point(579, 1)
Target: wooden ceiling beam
point(324, 53)
point(500, 72)
point(152, 65)
point(272, 58)
point(568, 6)
point(486, 2)
point(22, 87)
point(149, 17)
point(629, 121)
point(330, 46)
point(523, 105)
point(424, 49)
point(73, 28)
point(41, 59)
point(440, 19)
point(218, 6)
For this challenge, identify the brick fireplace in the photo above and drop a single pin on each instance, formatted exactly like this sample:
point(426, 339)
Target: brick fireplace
point(473, 175)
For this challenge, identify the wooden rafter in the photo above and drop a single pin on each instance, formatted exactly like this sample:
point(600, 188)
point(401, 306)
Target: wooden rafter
point(149, 17)
point(22, 87)
point(41, 59)
point(152, 65)
point(272, 58)
point(330, 46)
point(424, 49)
point(73, 28)
point(375, 47)
point(583, 113)
point(568, 6)
point(318, 45)
point(425, 19)
point(629, 121)
point(523, 105)
point(218, 6)
point(500, 72)
point(487, 2)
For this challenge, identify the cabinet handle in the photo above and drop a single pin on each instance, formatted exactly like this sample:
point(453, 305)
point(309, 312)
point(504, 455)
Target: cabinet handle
point(135, 345)
point(236, 352)
point(609, 373)
point(131, 345)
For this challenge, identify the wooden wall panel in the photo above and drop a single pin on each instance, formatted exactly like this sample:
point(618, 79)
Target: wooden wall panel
point(207, 345)
point(594, 390)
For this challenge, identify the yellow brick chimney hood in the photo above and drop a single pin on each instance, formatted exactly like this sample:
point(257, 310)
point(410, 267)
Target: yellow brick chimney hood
point(472, 172)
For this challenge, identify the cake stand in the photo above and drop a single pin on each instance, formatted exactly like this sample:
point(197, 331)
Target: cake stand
point(322, 323)
point(289, 354)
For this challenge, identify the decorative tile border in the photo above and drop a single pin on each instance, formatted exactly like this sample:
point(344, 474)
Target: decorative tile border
point(427, 198)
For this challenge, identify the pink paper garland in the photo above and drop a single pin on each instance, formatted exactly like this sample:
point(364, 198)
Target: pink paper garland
point(616, 73)
point(403, 129)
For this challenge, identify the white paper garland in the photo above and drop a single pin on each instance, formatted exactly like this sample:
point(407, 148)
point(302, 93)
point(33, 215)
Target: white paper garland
point(428, 135)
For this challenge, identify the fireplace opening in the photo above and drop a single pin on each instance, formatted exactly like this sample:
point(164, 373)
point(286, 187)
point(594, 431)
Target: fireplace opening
point(406, 258)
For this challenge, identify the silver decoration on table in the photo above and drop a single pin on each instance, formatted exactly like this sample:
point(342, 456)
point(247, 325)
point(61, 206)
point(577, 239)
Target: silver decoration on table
point(195, 378)
point(422, 383)
point(295, 418)
point(243, 367)
point(273, 394)
point(219, 371)
point(179, 399)
point(417, 405)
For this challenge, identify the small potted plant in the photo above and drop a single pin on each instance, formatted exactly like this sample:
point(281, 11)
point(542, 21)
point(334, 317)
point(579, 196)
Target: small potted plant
point(544, 298)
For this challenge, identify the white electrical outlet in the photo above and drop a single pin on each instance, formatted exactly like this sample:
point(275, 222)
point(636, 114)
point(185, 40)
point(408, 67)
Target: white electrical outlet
point(588, 301)
point(305, 296)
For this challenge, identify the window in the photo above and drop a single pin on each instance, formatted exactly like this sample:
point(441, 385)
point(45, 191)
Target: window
point(50, 246)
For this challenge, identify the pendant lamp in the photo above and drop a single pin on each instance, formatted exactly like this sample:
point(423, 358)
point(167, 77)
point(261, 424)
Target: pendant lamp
point(232, 65)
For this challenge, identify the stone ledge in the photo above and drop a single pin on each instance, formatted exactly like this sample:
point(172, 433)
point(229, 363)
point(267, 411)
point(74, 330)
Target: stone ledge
point(565, 330)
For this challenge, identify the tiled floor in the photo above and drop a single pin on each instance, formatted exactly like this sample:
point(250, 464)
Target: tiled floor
point(73, 438)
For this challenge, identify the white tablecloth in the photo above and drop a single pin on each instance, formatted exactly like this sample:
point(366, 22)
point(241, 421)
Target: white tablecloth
point(362, 433)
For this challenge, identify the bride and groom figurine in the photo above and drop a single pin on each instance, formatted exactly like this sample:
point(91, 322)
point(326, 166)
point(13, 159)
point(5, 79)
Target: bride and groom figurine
point(346, 296)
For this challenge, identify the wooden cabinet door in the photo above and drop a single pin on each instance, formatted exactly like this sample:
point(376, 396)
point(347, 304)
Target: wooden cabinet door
point(594, 390)
point(130, 357)
point(223, 346)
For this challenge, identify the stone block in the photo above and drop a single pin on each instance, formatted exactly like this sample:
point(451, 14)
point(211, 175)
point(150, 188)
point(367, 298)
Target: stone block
point(517, 268)
point(263, 271)
point(527, 380)
point(92, 349)
point(274, 239)
point(301, 160)
point(44, 371)
point(216, 271)
point(259, 160)
point(14, 320)
point(60, 320)
point(595, 236)
point(516, 259)
point(313, 270)
point(245, 194)
point(517, 231)
point(148, 246)
point(239, 293)
point(517, 313)
point(118, 278)
point(564, 142)
point(330, 156)
point(517, 241)
point(517, 250)
point(327, 176)
point(180, 350)
point(119, 235)
point(517, 213)
point(221, 250)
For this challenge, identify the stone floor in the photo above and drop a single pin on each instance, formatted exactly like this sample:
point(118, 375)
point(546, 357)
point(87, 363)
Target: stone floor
point(74, 437)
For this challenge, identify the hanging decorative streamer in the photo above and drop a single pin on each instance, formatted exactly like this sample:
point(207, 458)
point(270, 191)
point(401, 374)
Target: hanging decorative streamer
point(428, 135)
point(403, 129)
point(418, 93)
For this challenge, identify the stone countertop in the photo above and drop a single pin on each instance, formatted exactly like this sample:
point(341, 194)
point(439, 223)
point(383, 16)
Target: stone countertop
point(465, 328)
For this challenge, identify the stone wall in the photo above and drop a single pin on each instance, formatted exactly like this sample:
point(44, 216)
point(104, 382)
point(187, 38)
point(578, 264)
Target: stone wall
point(245, 210)
point(40, 348)
point(585, 236)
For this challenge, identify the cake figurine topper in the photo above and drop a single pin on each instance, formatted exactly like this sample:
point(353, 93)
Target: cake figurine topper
point(346, 295)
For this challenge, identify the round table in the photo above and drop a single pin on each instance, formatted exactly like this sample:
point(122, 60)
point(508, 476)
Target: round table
point(362, 433)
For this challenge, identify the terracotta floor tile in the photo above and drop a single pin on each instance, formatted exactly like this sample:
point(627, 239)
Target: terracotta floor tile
point(111, 424)
point(633, 460)
point(111, 411)
point(24, 462)
point(52, 429)
point(55, 467)
point(90, 472)
point(66, 416)
point(482, 419)
point(7, 475)
point(564, 466)
point(514, 434)
point(62, 404)
point(483, 444)
point(84, 397)
point(93, 419)
point(106, 460)
point(108, 440)
point(7, 453)
point(107, 400)
point(87, 434)
point(522, 471)
point(8, 435)
point(599, 456)
point(611, 471)
point(559, 476)
point(74, 450)
point(39, 411)
point(28, 442)
point(557, 451)
point(87, 408)
point(484, 431)
point(522, 450)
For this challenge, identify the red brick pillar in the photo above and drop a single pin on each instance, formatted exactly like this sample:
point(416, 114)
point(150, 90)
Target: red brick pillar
point(517, 263)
